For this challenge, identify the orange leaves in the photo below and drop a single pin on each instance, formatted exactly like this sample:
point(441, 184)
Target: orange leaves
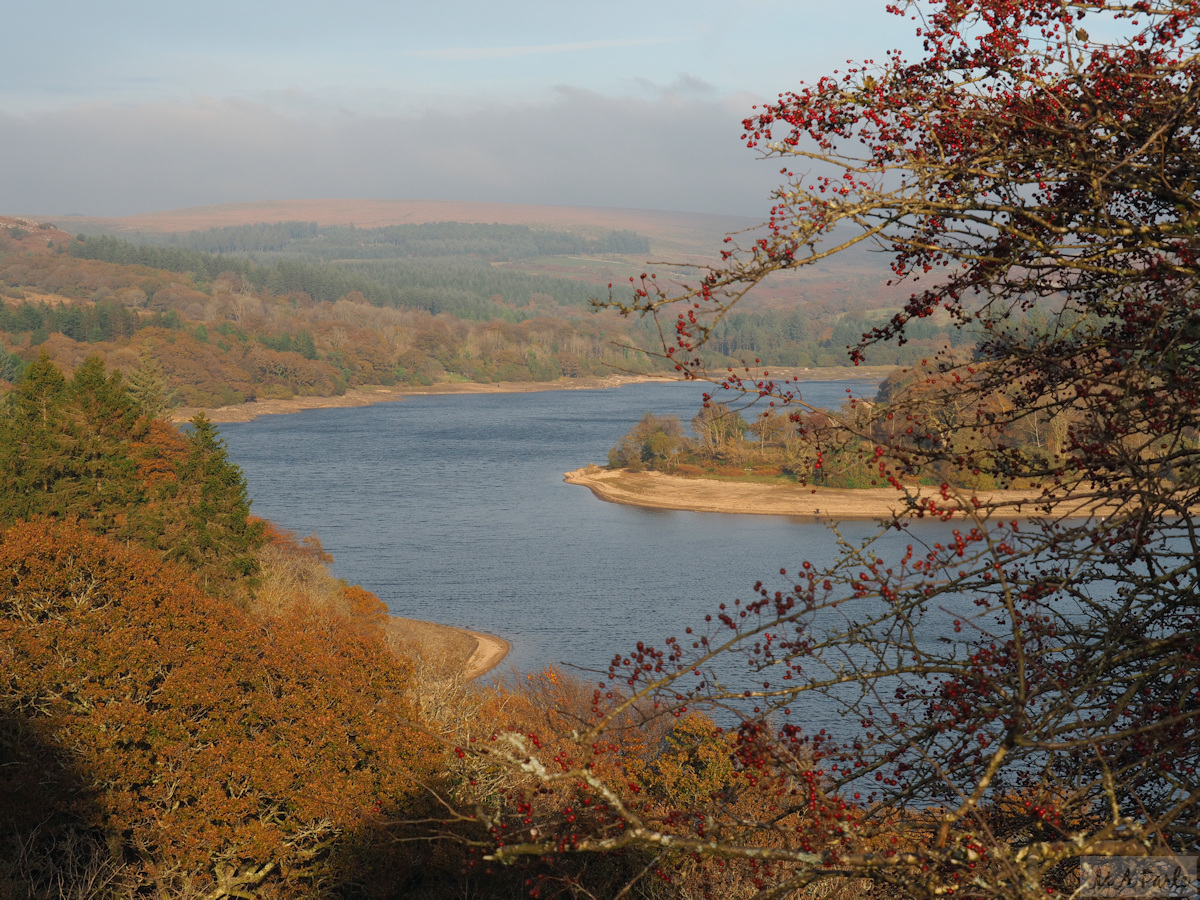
point(159, 454)
point(295, 584)
point(167, 717)
point(694, 764)
point(364, 606)
point(292, 547)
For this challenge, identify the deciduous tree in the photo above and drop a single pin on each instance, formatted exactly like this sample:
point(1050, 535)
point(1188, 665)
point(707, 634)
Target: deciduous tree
point(1021, 692)
point(187, 739)
point(654, 441)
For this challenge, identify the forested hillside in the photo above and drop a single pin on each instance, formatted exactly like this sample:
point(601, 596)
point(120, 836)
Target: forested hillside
point(252, 312)
point(493, 242)
point(221, 330)
point(465, 284)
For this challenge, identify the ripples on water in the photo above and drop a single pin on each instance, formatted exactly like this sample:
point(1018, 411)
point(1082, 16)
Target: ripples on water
point(452, 508)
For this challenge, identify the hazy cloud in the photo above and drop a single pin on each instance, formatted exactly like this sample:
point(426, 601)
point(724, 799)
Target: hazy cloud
point(683, 84)
point(463, 53)
point(674, 150)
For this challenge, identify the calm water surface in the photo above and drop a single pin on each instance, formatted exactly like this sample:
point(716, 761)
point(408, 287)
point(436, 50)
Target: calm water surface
point(453, 509)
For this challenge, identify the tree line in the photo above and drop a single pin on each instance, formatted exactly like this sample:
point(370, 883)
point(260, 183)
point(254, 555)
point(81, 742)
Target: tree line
point(796, 337)
point(433, 239)
point(467, 288)
point(837, 448)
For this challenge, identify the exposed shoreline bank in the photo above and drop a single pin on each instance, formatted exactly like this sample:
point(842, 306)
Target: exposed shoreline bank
point(371, 394)
point(446, 649)
point(656, 490)
point(367, 396)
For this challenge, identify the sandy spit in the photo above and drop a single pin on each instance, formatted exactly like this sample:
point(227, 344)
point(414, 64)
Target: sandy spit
point(655, 490)
point(448, 650)
point(489, 653)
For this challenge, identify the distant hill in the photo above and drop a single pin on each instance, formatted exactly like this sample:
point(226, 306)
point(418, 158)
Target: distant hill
point(695, 234)
point(849, 282)
point(21, 233)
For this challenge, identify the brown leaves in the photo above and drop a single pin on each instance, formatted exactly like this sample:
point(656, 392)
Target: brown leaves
point(180, 726)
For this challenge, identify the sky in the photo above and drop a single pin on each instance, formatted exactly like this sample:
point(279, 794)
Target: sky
point(130, 106)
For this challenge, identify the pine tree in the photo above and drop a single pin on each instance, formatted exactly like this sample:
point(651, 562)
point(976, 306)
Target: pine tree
point(147, 385)
point(12, 368)
point(219, 539)
point(305, 346)
point(34, 453)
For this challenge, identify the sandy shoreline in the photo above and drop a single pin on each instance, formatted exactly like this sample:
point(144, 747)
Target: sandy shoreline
point(489, 653)
point(655, 490)
point(448, 650)
point(366, 396)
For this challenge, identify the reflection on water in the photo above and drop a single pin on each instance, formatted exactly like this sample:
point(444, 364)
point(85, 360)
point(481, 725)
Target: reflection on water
point(453, 509)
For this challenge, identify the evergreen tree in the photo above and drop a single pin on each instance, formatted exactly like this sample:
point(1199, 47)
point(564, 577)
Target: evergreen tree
point(100, 419)
point(147, 385)
point(102, 398)
point(305, 346)
point(12, 368)
point(34, 453)
point(64, 447)
point(84, 449)
point(219, 539)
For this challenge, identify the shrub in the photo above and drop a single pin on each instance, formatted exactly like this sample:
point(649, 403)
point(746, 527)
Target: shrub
point(183, 733)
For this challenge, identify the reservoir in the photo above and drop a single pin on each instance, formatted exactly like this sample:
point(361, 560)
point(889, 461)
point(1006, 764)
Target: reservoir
point(453, 509)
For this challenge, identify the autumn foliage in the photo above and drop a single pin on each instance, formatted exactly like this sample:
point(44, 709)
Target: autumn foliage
point(183, 734)
point(220, 340)
point(965, 711)
point(189, 699)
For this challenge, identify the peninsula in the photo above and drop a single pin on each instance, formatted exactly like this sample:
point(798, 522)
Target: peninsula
point(658, 490)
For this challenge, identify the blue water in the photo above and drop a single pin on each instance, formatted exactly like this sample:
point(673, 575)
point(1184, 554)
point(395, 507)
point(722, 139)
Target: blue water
point(453, 509)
